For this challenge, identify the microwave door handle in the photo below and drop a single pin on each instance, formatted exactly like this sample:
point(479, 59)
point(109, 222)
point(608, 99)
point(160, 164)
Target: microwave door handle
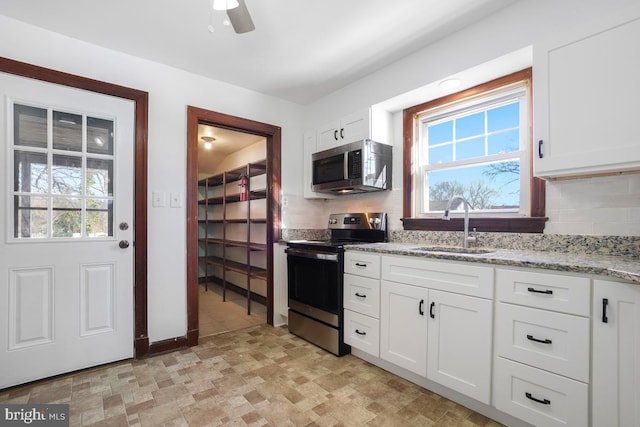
point(346, 165)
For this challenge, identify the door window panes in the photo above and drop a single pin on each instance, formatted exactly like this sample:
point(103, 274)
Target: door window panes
point(67, 131)
point(63, 183)
point(30, 172)
point(29, 126)
point(99, 136)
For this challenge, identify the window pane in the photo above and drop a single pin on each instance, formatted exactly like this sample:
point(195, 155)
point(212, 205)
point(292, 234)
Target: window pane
point(99, 216)
point(505, 117)
point(470, 148)
point(30, 174)
point(443, 132)
point(29, 126)
point(487, 186)
point(30, 217)
point(67, 217)
point(67, 131)
point(504, 142)
point(444, 153)
point(471, 125)
point(67, 175)
point(99, 136)
point(99, 177)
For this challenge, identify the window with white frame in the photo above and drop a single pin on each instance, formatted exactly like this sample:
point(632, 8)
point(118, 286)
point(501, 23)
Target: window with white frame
point(62, 174)
point(478, 148)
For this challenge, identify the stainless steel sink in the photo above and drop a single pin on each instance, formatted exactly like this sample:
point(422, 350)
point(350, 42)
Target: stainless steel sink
point(453, 249)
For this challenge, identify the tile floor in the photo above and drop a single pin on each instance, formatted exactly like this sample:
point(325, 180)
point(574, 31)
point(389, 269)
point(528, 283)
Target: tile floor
point(216, 316)
point(259, 376)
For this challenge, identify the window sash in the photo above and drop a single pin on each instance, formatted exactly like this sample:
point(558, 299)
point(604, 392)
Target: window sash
point(484, 102)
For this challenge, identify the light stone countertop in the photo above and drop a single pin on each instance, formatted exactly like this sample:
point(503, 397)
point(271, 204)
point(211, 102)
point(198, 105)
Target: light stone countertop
point(619, 267)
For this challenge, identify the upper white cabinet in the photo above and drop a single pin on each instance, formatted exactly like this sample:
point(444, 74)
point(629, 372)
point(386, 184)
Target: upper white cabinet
point(586, 93)
point(310, 147)
point(354, 127)
point(616, 354)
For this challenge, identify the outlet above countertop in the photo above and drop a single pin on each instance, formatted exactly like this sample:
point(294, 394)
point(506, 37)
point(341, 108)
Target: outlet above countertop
point(620, 267)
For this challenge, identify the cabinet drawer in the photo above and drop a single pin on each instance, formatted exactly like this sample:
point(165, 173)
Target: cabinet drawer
point(473, 280)
point(557, 292)
point(551, 341)
point(362, 295)
point(362, 264)
point(539, 397)
point(362, 332)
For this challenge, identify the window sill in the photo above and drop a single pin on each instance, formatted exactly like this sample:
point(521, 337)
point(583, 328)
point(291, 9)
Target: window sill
point(502, 225)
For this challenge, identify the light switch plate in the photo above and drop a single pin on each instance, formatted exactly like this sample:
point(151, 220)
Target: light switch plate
point(176, 200)
point(158, 199)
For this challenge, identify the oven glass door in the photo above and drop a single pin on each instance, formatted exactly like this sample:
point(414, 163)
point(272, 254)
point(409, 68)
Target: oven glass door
point(315, 279)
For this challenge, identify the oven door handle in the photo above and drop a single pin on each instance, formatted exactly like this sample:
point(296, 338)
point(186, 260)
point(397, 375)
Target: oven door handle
point(302, 253)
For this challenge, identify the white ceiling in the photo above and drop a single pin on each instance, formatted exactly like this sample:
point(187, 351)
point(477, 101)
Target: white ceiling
point(300, 51)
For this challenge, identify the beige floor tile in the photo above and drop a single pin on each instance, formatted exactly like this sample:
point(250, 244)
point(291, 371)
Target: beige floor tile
point(258, 376)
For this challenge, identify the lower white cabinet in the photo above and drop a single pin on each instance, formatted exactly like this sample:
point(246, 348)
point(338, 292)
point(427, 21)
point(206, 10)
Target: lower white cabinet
point(362, 332)
point(443, 336)
point(539, 397)
point(616, 354)
point(403, 326)
point(459, 343)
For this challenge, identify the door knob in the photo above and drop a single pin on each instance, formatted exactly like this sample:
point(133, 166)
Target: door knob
point(123, 244)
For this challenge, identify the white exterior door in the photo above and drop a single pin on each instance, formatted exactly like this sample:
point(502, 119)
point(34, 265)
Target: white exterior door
point(66, 251)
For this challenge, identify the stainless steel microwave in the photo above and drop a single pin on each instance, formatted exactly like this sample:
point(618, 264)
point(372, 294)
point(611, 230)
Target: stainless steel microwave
point(358, 167)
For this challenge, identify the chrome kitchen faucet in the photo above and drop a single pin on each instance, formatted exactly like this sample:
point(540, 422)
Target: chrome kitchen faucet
point(466, 239)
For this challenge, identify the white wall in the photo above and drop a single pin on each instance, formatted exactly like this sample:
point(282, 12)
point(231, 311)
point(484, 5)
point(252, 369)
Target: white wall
point(611, 209)
point(170, 91)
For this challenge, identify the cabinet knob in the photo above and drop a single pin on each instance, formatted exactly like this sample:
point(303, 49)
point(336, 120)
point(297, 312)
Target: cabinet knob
point(342, 133)
point(335, 134)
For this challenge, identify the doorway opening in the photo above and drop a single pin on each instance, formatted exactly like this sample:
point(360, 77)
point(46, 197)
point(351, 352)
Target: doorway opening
point(233, 220)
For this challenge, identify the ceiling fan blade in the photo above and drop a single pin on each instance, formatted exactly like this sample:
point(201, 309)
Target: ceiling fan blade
point(241, 18)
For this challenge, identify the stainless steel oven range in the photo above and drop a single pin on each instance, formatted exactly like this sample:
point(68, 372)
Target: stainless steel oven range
point(315, 269)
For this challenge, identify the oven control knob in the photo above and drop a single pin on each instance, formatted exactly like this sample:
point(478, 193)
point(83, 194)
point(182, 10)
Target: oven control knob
point(333, 221)
point(374, 221)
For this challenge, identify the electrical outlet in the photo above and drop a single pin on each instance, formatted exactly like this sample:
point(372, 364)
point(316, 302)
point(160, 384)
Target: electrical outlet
point(176, 200)
point(285, 201)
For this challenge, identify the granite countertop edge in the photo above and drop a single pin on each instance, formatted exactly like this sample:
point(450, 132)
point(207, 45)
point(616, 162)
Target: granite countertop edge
point(619, 267)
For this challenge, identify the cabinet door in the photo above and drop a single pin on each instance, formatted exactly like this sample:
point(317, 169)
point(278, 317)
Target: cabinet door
point(616, 354)
point(584, 103)
point(459, 343)
point(355, 127)
point(280, 285)
point(403, 326)
point(329, 135)
point(308, 149)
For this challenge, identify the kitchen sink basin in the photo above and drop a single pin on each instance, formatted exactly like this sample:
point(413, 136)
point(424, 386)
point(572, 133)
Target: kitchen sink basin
point(453, 250)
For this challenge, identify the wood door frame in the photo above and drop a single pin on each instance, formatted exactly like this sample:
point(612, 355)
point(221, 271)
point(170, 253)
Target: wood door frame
point(273, 134)
point(141, 101)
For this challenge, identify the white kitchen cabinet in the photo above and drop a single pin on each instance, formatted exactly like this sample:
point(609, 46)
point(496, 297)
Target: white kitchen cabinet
point(310, 147)
point(362, 264)
point(585, 98)
point(539, 397)
point(403, 326)
point(361, 300)
point(459, 343)
point(542, 342)
point(280, 285)
point(433, 324)
point(616, 354)
point(350, 128)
